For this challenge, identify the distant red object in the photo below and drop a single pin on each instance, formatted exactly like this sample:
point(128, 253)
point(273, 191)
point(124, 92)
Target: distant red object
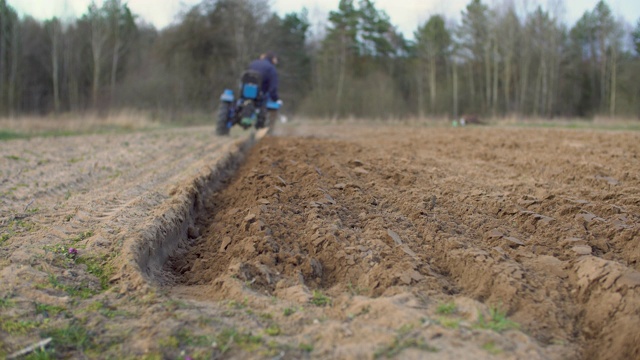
point(470, 119)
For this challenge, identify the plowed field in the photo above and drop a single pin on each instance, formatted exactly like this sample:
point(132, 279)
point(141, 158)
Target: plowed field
point(374, 242)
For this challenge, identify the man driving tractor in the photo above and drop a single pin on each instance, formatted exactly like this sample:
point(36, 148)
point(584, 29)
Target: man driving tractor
point(258, 101)
point(266, 66)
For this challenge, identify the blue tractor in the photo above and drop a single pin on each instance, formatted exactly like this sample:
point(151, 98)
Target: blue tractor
point(251, 108)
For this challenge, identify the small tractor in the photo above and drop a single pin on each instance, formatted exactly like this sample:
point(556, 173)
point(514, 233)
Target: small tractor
point(251, 108)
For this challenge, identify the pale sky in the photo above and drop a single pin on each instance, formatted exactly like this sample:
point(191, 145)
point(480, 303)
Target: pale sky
point(406, 14)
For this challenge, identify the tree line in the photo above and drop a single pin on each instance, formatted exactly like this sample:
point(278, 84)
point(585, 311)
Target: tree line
point(500, 60)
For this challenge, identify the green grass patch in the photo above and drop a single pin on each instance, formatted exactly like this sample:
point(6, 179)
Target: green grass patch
point(244, 340)
point(232, 304)
point(71, 337)
point(170, 342)
point(399, 345)
point(6, 302)
point(289, 311)
point(449, 322)
point(81, 290)
point(319, 299)
point(403, 340)
point(48, 310)
point(62, 257)
point(107, 311)
point(273, 330)
point(13, 157)
point(22, 225)
point(186, 338)
point(17, 227)
point(11, 135)
point(104, 129)
point(152, 356)
point(6, 134)
point(497, 321)
point(274, 349)
point(446, 308)
point(491, 348)
point(13, 327)
point(95, 306)
point(98, 268)
point(175, 304)
point(82, 236)
point(305, 347)
point(42, 354)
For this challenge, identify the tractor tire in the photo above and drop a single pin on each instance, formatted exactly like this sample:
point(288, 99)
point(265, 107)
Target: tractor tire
point(261, 121)
point(222, 119)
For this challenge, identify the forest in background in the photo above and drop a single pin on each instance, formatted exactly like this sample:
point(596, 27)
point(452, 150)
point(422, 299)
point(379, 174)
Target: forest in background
point(498, 60)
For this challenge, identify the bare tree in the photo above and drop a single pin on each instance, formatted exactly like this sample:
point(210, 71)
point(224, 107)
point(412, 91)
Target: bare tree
point(13, 76)
point(433, 41)
point(99, 36)
point(510, 35)
point(54, 30)
point(617, 34)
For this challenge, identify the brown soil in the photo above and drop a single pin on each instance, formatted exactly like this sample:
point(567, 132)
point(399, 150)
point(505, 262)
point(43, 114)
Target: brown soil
point(542, 224)
point(328, 242)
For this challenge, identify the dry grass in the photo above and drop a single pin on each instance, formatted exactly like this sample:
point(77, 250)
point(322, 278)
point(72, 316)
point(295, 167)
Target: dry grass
point(87, 122)
point(604, 123)
point(407, 121)
point(598, 122)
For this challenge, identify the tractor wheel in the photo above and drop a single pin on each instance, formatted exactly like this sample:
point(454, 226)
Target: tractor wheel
point(261, 121)
point(222, 128)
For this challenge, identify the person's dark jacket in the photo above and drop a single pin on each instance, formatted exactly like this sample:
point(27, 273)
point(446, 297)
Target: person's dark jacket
point(269, 77)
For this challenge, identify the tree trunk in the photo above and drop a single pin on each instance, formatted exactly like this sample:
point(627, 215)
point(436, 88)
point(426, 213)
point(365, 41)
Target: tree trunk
point(72, 83)
point(472, 87)
point(494, 107)
point(524, 84)
point(13, 77)
point(420, 88)
point(544, 88)
point(432, 84)
point(603, 72)
point(487, 76)
point(96, 76)
point(455, 90)
point(3, 56)
point(554, 82)
point(614, 78)
point(240, 41)
point(507, 84)
point(536, 96)
point(343, 70)
point(98, 37)
point(114, 70)
point(54, 66)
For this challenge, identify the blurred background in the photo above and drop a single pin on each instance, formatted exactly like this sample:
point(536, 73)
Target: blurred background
point(498, 59)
